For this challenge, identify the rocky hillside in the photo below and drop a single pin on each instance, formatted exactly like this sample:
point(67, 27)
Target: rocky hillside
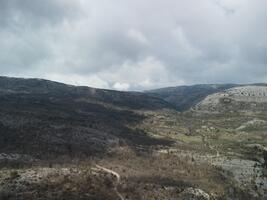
point(244, 98)
point(184, 97)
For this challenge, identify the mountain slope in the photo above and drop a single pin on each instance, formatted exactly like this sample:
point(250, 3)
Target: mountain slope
point(252, 98)
point(131, 100)
point(184, 97)
point(45, 118)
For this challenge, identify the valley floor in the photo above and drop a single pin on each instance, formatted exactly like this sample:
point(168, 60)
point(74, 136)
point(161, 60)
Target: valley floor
point(212, 157)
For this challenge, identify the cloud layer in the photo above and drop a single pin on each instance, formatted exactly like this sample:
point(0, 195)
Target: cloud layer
point(134, 45)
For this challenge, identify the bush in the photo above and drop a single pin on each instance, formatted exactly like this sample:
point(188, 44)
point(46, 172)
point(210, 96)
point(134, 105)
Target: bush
point(14, 175)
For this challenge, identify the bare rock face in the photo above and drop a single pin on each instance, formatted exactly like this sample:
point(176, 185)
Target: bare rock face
point(245, 98)
point(194, 194)
point(249, 93)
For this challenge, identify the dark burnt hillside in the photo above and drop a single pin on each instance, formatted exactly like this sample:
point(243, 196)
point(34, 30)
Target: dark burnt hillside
point(132, 100)
point(45, 118)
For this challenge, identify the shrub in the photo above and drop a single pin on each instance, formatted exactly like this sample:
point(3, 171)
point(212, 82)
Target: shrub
point(14, 175)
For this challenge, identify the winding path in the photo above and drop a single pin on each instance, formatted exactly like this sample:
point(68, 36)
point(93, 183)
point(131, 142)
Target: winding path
point(118, 178)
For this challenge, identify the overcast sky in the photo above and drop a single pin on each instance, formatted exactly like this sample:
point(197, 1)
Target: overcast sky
point(134, 44)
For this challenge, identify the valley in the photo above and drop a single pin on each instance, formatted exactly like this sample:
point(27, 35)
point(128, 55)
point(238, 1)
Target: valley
point(64, 142)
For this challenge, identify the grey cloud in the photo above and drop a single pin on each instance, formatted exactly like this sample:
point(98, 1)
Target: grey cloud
point(36, 12)
point(134, 45)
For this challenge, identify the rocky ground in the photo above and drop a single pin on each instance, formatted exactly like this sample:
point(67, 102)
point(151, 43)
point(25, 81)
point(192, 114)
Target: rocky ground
point(245, 99)
point(236, 144)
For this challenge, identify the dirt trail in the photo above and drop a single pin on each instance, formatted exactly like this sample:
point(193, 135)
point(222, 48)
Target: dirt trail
point(118, 178)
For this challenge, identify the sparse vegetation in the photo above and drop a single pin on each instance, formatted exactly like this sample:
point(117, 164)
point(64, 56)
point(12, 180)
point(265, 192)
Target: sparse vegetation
point(53, 138)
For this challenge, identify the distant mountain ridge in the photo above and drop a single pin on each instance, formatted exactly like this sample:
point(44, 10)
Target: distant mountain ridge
point(43, 117)
point(185, 97)
point(132, 100)
point(180, 98)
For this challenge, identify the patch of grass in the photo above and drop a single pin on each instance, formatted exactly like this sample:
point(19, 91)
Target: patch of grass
point(190, 139)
